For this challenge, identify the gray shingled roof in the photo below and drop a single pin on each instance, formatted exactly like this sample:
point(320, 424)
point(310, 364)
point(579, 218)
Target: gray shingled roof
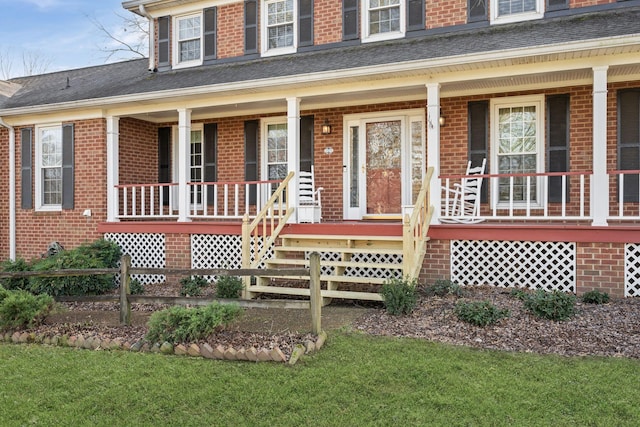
point(132, 77)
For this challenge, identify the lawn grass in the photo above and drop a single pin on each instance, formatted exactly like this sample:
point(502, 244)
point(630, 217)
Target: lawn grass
point(354, 380)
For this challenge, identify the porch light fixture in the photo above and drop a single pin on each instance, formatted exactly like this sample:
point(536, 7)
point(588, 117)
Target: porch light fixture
point(442, 121)
point(326, 127)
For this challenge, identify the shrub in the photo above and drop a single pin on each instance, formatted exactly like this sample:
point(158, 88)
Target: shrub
point(479, 313)
point(181, 324)
point(443, 288)
point(109, 253)
point(228, 287)
point(135, 287)
point(9, 266)
point(3, 293)
point(192, 286)
point(520, 294)
point(554, 305)
point(595, 297)
point(400, 296)
point(20, 309)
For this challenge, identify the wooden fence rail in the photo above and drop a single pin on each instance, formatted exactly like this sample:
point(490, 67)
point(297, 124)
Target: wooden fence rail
point(126, 299)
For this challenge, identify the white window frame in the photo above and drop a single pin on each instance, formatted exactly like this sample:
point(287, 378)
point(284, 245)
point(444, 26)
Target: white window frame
point(538, 13)
point(265, 142)
point(176, 41)
point(39, 199)
point(265, 51)
point(367, 37)
point(195, 127)
point(509, 102)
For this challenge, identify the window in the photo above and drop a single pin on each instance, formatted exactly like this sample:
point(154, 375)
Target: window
point(629, 141)
point(196, 166)
point(279, 27)
point(517, 148)
point(383, 19)
point(503, 11)
point(276, 151)
point(188, 37)
point(54, 167)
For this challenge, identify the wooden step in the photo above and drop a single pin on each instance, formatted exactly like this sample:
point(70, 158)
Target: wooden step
point(390, 251)
point(333, 241)
point(335, 278)
point(274, 262)
point(369, 296)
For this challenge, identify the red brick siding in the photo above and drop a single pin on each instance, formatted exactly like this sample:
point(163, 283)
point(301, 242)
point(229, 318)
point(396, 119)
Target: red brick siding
point(4, 189)
point(437, 261)
point(327, 22)
point(445, 13)
point(231, 30)
point(178, 253)
point(600, 266)
point(138, 154)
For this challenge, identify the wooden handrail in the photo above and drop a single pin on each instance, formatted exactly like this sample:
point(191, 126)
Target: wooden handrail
point(415, 229)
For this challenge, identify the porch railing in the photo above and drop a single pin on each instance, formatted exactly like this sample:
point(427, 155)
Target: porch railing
point(208, 200)
point(521, 196)
point(415, 228)
point(626, 205)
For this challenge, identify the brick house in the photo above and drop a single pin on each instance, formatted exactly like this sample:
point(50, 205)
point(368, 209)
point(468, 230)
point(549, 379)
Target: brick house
point(168, 156)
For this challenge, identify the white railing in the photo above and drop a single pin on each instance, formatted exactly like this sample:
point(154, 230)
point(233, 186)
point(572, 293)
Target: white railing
point(207, 200)
point(522, 196)
point(627, 201)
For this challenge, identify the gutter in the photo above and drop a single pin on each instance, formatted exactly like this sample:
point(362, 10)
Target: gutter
point(12, 189)
point(152, 38)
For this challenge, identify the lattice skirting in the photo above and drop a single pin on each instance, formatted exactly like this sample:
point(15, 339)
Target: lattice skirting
point(219, 251)
point(381, 273)
point(533, 265)
point(632, 270)
point(147, 250)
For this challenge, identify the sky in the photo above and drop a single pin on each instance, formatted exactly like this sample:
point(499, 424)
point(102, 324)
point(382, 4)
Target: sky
point(59, 32)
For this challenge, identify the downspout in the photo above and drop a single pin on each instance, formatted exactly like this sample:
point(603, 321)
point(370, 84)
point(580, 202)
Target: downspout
point(12, 189)
point(152, 37)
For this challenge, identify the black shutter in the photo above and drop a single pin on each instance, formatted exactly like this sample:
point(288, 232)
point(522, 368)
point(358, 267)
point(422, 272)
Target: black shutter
point(210, 151)
point(163, 41)
point(477, 10)
point(210, 29)
point(251, 128)
point(350, 19)
point(629, 140)
point(250, 26)
point(478, 139)
point(557, 4)
point(415, 15)
point(306, 143)
point(557, 144)
point(67, 167)
point(164, 161)
point(305, 22)
point(26, 176)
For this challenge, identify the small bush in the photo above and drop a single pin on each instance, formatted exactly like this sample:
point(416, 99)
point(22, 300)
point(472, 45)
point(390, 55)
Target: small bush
point(595, 297)
point(192, 286)
point(20, 309)
point(479, 313)
point(109, 253)
point(520, 294)
point(443, 288)
point(9, 266)
point(400, 296)
point(181, 324)
point(554, 305)
point(3, 293)
point(135, 287)
point(229, 287)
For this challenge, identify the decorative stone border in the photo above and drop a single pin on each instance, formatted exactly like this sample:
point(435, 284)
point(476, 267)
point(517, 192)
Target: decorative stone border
point(250, 354)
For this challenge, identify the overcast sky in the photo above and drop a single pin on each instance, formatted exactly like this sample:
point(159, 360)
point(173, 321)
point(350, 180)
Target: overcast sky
point(59, 30)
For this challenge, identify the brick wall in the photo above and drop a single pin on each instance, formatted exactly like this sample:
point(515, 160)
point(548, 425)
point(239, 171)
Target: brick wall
point(445, 13)
point(327, 19)
point(231, 30)
point(600, 266)
point(4, 189)
point(178, 253)
point(138, 152)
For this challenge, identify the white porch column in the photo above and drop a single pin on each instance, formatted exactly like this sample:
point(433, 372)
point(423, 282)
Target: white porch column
point(113, 167)
point(600, 180)
point(433, 147)
point(293, 152)
point(184, 147)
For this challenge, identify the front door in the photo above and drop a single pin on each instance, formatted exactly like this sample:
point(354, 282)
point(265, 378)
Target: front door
point(384, 159)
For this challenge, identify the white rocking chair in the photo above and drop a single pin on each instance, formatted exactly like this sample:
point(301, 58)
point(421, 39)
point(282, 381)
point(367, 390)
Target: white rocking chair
point(309, 202)
point(462, 202)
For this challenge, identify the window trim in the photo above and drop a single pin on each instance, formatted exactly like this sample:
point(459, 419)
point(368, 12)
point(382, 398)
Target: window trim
point(517, 17)
point(264, 39)
point(197, 127)
point(517, 101)
point(176, 41)
point(368, 38)
point(39, 199)
point(264, 142)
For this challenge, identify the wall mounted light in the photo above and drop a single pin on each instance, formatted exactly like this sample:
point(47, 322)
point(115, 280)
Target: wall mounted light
point(442, 121)
point(326, 127)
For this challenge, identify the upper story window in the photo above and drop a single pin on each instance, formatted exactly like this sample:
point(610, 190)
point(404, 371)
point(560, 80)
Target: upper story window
point(188, 40)
point(383, 19)
point(504, 11)
point(279, 27)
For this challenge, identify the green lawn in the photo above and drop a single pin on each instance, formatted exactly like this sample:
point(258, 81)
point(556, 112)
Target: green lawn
point(353, 380)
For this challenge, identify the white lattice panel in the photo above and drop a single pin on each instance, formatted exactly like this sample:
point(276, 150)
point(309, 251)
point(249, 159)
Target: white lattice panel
point(631, 270)
point(533, 265)
point(147, 250)
point(219, 251)
point(363, 272)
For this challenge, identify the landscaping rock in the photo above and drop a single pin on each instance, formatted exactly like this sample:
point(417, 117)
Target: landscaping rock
point(166, 348)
